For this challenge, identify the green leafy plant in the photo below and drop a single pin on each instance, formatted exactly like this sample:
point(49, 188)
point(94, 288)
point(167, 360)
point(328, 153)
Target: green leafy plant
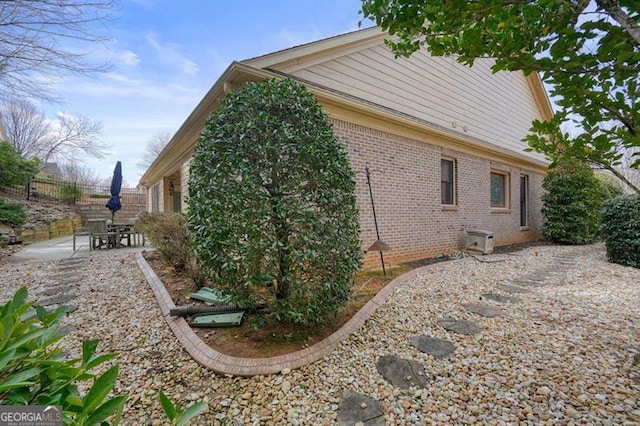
point(169, 234)
point(271, 202)
point(12, 214)
point(70, 193)
point(610, 186)
point(621, 230)
point(14, 170)
point(572, 204)
point(177, 416)
point(33, 370)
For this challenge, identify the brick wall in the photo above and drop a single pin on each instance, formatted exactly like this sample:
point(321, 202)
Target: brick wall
point(406, 190)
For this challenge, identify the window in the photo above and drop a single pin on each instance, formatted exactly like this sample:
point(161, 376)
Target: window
point(524, 195)
point(155, 198)
point(499, 190)
point(447, 182)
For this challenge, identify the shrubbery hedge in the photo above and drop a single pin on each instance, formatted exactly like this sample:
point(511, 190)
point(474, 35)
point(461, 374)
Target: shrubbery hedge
point(169, 234)
point(572, 204)
point(12, 214)
point(621, 230)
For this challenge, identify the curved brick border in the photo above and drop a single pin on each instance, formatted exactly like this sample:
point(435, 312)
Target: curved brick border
point(226, 364)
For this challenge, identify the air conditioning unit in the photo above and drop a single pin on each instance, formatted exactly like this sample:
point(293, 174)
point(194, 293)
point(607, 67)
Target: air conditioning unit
point(479, 240)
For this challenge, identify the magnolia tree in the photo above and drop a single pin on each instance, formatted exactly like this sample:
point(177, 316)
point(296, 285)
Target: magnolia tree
point(272, 203)
point(587, 53)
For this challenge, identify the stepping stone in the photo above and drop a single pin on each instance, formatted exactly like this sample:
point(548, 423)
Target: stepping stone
point(66, 329)
point(484, 310)
point(69, 268)
point(500, 298)
point(70, 260)
point(460, 326)
point(526, 283)
point(513, 289)
point(64, 276)
point(355, 408)
point(55, 289)
point(401, 372)
point(56, 300)
point(438, 348)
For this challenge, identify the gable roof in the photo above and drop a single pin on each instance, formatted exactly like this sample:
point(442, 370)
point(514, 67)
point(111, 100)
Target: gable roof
point(422, 94)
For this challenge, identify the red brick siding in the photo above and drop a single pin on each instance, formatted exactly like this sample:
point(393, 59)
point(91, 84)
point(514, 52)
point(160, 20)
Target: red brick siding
point(406, 190)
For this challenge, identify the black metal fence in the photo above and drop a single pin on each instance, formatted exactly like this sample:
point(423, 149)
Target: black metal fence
point(47, 189)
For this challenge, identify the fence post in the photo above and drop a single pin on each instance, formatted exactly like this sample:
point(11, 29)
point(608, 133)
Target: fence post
point(29, 190)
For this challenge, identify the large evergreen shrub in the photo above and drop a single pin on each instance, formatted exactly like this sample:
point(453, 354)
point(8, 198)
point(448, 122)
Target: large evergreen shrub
point(621, 230)
point(272, 204)
point(14, 170)
point(572, 204)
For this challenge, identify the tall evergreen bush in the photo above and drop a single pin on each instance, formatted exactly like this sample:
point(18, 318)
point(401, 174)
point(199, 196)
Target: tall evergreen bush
point(572, 203)
point(621, 230)
point(272, 203)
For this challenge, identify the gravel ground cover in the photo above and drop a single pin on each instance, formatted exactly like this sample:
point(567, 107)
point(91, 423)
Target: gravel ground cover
point(564, 349)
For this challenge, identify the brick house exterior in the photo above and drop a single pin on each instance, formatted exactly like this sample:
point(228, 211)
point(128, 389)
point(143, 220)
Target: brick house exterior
point(443, 142)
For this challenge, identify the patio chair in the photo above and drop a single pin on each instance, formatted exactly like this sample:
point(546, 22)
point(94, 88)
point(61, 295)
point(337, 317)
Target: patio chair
point(138, 237)
point(99, 235)
point(78, 231)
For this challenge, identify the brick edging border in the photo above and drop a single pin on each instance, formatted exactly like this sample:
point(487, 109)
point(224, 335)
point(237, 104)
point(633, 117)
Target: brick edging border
point(236, 366)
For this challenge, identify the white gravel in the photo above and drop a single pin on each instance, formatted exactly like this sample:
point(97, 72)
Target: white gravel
point(567, 354)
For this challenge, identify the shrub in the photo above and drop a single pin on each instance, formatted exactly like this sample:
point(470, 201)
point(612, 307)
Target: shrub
point(12, 214)
point(272, 205)
point(621, 230)
point(70, 193)
point(14, 170)
point(572, 204)
point(610, 186)
point(169, 234)
point(33, 371)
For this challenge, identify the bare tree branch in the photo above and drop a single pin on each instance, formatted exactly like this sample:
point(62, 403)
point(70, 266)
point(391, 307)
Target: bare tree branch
point(154, 147)
point(27, 128)
point(72, 171)
point(44, 40)
point(33, 135)
point(73, 135)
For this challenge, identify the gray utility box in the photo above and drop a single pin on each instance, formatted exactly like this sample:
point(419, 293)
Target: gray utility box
point(481, 241)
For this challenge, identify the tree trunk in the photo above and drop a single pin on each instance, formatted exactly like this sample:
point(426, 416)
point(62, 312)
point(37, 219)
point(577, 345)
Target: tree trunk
point(282, 238)
point(622, 178)
point(612, 7)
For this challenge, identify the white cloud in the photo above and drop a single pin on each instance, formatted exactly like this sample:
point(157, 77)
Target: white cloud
point(170, 53)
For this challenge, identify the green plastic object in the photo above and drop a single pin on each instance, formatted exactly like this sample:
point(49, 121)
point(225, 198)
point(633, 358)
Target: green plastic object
point(210, 295)
point(221, 319)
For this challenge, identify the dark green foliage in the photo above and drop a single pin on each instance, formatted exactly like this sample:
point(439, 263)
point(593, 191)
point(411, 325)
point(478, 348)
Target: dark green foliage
point(70, 193)
point(14, 170)
point(34, 372)
point(12, 214)
point(169, 234)
point(176, 415)
point(272, 204)
point(572, 204)
point(621, 230)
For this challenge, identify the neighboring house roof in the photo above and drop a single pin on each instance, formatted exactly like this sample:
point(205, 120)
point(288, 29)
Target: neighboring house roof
point(356, 78)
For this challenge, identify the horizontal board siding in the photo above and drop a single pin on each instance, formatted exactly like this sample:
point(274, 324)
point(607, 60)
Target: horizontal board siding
point(496, 108)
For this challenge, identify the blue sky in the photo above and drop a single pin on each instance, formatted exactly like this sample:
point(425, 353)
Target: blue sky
point(166, 54)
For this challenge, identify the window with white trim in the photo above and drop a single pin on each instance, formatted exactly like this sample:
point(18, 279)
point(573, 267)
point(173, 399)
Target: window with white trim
point(499, 190)
point(447, 182)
